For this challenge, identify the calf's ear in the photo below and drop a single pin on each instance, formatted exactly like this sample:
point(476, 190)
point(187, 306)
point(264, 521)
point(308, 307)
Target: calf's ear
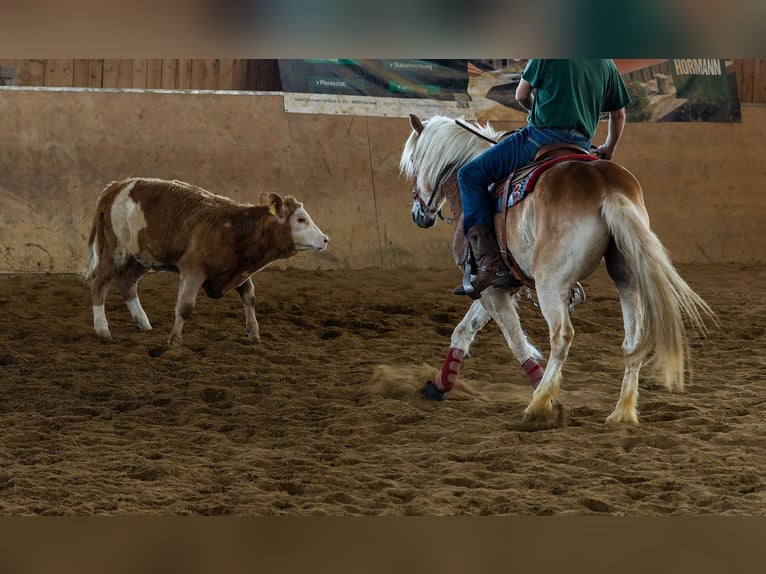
point(274, 202)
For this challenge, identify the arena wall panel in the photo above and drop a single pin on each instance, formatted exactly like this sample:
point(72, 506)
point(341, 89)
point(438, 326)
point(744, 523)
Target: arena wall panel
point(703, 182)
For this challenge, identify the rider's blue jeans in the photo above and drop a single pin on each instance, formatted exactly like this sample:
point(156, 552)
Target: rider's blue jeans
point(509, 154)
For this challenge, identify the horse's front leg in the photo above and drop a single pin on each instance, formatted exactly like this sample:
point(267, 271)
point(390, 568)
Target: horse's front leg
point(504, 310)
point(462, 337)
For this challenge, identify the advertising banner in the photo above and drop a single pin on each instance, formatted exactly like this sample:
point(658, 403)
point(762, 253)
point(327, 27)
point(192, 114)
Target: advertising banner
point(661, 90)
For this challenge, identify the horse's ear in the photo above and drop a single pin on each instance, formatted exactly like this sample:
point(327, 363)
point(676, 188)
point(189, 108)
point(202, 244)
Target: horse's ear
point(416, 124)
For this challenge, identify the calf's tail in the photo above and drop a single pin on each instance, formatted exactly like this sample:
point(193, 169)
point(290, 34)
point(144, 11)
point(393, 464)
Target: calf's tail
point(91, 259)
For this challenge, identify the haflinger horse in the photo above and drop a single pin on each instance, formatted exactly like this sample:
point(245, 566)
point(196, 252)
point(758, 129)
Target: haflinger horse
point(579, 213)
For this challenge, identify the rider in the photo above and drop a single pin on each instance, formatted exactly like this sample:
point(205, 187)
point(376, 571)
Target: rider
point(565, 99)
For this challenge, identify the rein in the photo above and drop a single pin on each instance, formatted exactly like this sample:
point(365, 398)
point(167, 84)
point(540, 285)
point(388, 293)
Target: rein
point(474, 131)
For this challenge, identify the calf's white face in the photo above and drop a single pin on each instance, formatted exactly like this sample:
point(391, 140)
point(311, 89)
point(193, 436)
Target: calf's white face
point(306, 234)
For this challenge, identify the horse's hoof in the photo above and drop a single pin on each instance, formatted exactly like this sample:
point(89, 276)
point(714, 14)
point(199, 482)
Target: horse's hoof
point(529, 417)
point(430, 392)
point(554, 418)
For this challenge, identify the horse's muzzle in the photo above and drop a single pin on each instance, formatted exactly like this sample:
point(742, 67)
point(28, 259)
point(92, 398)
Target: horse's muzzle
point(421, 217)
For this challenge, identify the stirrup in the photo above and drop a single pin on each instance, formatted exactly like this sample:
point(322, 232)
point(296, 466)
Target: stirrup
point(576, 297)
point(467, 288)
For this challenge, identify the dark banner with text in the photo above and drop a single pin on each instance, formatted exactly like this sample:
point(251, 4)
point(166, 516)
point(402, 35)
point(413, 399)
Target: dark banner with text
point(681, 90)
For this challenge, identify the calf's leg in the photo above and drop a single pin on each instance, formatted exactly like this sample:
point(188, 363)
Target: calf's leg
point(99, 281)
point(127, 281)
point(247, 293)
point(188, 287)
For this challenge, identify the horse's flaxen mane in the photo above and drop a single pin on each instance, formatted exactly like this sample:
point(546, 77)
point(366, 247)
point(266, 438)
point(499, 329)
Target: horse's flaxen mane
point(441, 147)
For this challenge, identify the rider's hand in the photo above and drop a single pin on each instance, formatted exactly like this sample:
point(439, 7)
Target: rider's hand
point(603, 152)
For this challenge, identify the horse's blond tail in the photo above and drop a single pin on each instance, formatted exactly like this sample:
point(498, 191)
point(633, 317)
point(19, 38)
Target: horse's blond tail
point(666, 301)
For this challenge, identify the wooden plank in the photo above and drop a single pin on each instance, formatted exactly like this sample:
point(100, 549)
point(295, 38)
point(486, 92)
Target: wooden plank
point(138, 74)
point(169, 74)
point(124, 73)
point(263, 75)
point(239, 75)
point(759, 79)
point(95, 73)
point(81, 73)
point(750, 79)
point(745, 80)
point(58, 73)
point(109, 77)
point(22, 66)
point(212, 72)
point(154, 74)
point(183, 81)
point(225, 74)
point(35, 71)
point(198, 72)
point(251, 83)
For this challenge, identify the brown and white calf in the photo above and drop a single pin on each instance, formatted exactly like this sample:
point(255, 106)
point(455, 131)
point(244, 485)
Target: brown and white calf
point(211, 241)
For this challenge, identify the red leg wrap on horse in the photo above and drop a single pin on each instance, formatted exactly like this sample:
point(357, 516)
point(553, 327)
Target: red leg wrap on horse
point(534, 371)
point(447, 377)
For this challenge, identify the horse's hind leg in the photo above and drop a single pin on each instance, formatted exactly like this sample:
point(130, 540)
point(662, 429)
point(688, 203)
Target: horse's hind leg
point(553, 305)
point(127, 281)
point(462, 337)
point(626, 409)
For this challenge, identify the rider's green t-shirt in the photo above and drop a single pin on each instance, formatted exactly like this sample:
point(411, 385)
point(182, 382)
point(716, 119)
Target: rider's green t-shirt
point(573, 93)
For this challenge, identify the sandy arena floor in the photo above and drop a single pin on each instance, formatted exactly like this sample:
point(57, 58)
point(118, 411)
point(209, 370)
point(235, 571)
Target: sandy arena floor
point(324, 416)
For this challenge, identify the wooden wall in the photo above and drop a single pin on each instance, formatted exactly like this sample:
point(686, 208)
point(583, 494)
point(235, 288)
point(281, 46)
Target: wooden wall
point(220, 74)
point(173, 74)
point(703, 181)
point(751, 80)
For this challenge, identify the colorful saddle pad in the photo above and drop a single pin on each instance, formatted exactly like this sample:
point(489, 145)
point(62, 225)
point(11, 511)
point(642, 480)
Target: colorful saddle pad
point(523, 185)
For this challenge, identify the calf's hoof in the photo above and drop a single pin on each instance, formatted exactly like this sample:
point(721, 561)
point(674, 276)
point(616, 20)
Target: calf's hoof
point(176, 341)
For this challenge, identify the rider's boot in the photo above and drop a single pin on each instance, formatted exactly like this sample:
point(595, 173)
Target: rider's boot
point(490, 268)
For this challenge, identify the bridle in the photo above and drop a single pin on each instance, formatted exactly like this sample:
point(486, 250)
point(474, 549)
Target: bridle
point(426, 206)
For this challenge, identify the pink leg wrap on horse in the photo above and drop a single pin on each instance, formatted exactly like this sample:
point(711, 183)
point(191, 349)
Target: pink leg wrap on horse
point(447, 377)
point(534, 371)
